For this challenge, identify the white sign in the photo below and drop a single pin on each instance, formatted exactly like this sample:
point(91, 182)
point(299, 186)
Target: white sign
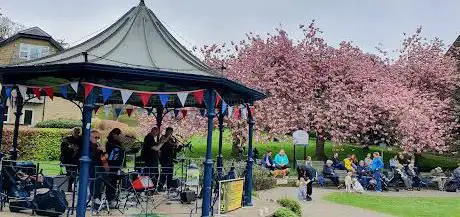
point(300, 137)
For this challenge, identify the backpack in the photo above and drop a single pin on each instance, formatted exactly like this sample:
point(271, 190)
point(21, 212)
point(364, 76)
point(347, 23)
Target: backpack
point(451, 186)
point(51, 203)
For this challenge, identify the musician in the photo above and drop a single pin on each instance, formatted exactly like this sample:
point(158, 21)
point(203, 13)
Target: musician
point(115, 159)
point(167, 154)
point(97, 163)
point(70, 154)
point(150, 152)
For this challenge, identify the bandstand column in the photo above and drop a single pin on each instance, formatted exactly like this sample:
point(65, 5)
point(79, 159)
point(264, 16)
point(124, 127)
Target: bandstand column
point(85, 160)
point(250, 162)
point(18, 113)
point(220, 163)
point(206, 203)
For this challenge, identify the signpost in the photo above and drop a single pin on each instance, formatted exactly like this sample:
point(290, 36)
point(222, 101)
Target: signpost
point(300, 137)
point(230, 195)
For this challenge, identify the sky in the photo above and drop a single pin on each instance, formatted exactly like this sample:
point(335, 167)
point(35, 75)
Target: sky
point(367, 23)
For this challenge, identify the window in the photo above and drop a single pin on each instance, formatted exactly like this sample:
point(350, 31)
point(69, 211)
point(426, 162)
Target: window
point(28, 116)
point(30, 51)
point(5, 114)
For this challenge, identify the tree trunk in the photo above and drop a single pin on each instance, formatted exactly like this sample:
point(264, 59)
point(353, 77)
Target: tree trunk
point(320, 154)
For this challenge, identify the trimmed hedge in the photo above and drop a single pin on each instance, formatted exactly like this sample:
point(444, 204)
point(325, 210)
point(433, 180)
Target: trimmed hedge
point(284, 212)
point(60, 123)
point(292, 205)
point(35, 143)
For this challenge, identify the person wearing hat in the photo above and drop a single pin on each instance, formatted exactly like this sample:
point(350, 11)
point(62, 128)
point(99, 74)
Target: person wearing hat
point(329, 172)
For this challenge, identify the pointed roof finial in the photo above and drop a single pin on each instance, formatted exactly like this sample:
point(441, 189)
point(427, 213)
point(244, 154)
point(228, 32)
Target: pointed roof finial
point(142, 3)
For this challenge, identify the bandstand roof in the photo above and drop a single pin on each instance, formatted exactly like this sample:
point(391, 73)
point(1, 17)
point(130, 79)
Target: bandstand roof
point(137, 53)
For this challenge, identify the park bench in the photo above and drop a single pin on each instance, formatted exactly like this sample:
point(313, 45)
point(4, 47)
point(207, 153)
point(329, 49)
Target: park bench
point(318, 166)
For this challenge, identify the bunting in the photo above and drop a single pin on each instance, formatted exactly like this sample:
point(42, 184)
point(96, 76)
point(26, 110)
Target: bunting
point(49, 92)
point(198, 95)
point(176, 113)
point(236, 113)
point(129, 111)
point(202, 112)
point(74, 86)
point(164, 99)
point(145, 97)
point(252, 110)
point(107, 109)
point(23, 91)
point(117, 112)
point(182, 97)
point(63, 90)
point(125, 95)
point(184, 113)
point(8, 91)
point(88, 89)
point(96, 108)
point(244, 112)
point(224, 107)
point(217, 99)
point(230, 111)
point(106, 93)
point(37, 91)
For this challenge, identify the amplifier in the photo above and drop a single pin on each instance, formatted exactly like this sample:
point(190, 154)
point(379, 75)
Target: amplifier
point(187, 196)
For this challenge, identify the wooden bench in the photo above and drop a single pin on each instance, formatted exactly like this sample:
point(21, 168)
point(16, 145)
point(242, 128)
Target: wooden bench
point(318, 166)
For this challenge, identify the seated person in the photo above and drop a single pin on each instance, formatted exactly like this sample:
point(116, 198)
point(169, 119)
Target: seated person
point(394, 162)
point(456, 174)
point(328, 172)
point(363, 174)
point(438, 176)
point(308, 161)
point(281, 160)
point(348, 163)
point(268, 162)
point(368, 159)
point(336, 162)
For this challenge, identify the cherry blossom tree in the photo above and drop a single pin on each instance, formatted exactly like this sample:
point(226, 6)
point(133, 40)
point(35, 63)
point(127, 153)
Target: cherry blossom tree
point(344, 94)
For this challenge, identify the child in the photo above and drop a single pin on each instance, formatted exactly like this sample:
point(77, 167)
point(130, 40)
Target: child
point(302, 191)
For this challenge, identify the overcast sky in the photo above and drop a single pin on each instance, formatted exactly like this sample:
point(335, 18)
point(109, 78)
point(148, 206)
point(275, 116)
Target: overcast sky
point(197, 22)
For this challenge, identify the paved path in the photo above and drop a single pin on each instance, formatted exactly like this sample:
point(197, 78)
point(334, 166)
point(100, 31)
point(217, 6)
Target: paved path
point(322, 208)
point(266, 203)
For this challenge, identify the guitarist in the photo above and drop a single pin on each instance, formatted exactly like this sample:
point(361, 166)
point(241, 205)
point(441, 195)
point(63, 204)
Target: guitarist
point(115, 160)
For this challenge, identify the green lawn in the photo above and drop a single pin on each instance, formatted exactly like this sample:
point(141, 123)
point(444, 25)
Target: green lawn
point(400, 206)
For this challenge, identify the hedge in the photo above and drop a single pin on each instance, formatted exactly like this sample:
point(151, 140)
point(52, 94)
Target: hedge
point(284, 212)
point(60, 123)
point(292, 204)
point(35, 143)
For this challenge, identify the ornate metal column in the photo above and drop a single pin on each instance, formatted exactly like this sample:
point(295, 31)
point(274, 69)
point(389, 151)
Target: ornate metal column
point(206, 205)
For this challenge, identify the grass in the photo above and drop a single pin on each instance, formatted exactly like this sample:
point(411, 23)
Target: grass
point(400, 206)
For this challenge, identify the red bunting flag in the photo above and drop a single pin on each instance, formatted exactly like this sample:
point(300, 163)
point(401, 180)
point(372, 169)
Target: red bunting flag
point(199, 95)
point(184, 113)
point(96, 108)
point(129, 111)
point(88, 89)
point(37, 91)
point(251, 108)
point(217, 99)
point(49, 92)
point(236, 112)
point(145, 97)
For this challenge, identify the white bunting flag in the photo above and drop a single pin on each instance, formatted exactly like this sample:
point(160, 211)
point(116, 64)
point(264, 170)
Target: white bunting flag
point(182, 97)
point(107, 109)
point(244, 112)
point(125, 94)
point(23, 91)
point(230, 111)
point(74, 86)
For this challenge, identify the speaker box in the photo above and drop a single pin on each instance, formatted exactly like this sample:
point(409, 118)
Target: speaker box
point(187, 196)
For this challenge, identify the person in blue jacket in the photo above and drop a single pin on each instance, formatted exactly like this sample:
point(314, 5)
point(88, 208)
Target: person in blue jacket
point(281, 160)
point(376, 167)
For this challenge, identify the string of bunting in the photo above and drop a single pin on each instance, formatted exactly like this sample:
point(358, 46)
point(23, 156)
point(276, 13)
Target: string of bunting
point(236, 112)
